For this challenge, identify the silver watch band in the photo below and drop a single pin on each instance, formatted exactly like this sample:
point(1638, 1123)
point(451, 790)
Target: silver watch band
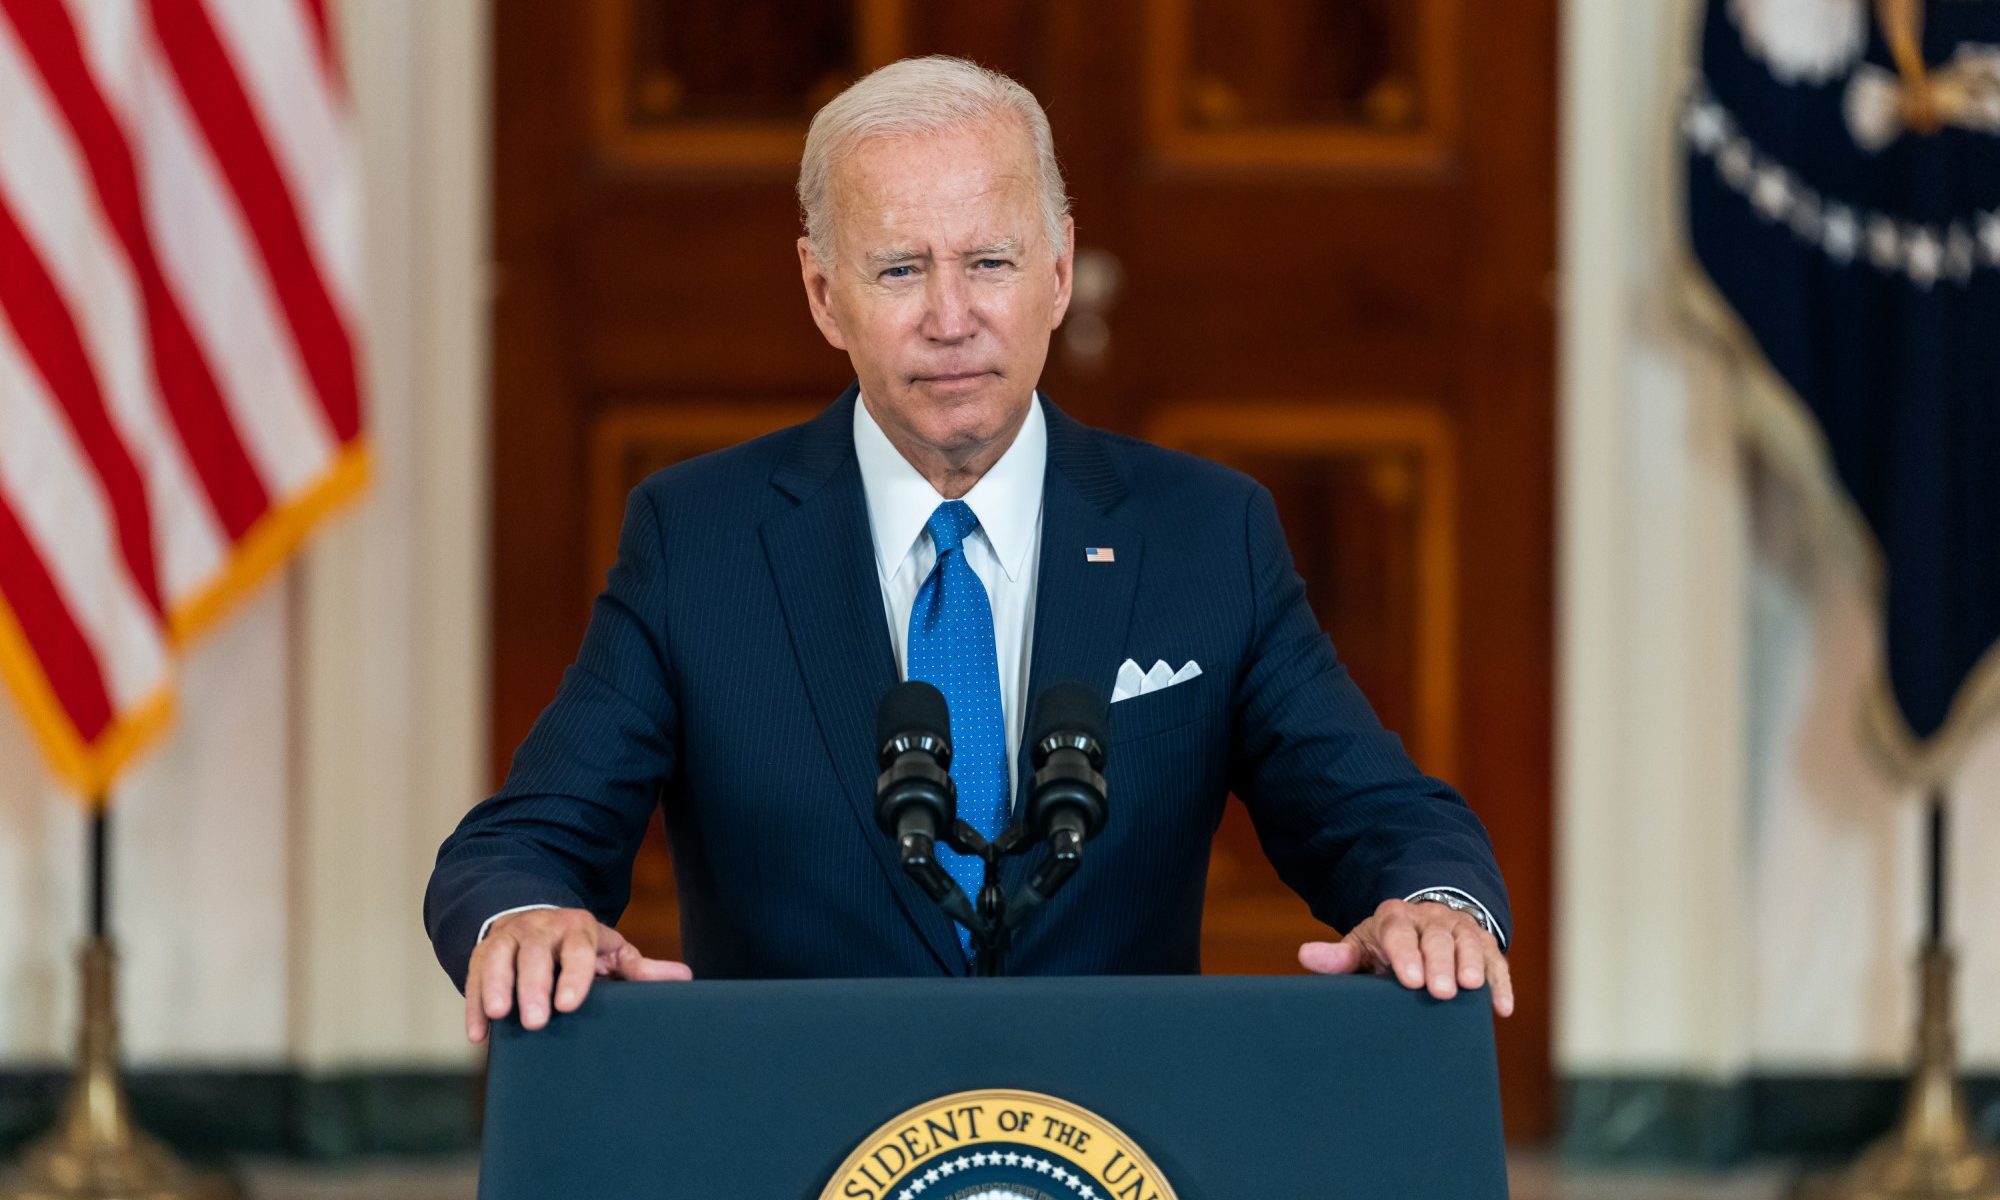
point(1454, 899)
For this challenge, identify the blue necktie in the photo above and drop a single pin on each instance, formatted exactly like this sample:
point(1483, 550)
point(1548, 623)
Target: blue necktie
point(951, 647)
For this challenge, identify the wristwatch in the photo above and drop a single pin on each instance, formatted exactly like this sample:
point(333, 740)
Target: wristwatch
point(1452, 898)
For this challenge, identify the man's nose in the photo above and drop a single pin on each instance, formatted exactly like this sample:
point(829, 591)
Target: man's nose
point(948, 315)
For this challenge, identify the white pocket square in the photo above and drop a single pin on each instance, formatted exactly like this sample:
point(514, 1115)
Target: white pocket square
point(1132, 681)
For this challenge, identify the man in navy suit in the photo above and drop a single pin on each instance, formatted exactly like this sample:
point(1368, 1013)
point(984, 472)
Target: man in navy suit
point(943, 521)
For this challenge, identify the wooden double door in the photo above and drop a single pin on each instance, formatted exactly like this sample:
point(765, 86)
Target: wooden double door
point(1315, 241)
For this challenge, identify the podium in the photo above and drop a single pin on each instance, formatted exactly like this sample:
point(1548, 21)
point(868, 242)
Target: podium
point(1104, 1088)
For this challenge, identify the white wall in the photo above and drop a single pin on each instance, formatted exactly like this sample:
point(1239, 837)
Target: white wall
point(1652, 941)
point(393, 647)
point(199, 879)
point(1739, 883)
point(270, 857)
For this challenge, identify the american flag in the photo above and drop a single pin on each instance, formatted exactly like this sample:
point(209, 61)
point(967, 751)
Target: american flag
point(1099, 554)
point(179, 394)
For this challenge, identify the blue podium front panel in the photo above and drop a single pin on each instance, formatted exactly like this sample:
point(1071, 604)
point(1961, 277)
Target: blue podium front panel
point(1111, 1088)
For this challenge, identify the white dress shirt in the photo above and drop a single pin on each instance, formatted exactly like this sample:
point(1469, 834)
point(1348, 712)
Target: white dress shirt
point(1005, 551)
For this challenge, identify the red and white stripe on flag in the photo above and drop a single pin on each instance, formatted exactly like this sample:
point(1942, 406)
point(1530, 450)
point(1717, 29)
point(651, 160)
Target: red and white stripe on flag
point(179, 383)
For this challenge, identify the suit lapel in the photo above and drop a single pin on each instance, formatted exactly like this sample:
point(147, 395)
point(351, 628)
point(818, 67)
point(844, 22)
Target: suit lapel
point(823, 566)
point(1082, 608)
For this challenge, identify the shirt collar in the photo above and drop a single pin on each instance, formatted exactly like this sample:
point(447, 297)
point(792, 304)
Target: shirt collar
point(1007, 499)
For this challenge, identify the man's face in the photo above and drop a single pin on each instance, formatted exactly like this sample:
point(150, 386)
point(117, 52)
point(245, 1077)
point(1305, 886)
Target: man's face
point(943, 289)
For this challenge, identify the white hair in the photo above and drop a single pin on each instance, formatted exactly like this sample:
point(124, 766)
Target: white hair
point(917, 96)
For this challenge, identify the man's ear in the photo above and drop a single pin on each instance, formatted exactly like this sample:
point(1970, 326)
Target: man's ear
point(817, 286)
point(1065, 270)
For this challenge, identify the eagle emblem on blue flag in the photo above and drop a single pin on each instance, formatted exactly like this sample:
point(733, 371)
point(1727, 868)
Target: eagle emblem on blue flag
point(1842, 189)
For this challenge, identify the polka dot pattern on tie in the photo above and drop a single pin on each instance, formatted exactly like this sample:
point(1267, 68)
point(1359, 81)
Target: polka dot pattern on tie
point(952, 648)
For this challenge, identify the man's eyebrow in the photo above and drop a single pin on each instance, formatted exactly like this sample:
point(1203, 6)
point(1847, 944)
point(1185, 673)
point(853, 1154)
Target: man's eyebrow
point(1003, 246)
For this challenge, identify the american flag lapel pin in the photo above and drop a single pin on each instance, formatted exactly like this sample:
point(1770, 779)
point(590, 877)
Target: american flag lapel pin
point(1099, 554)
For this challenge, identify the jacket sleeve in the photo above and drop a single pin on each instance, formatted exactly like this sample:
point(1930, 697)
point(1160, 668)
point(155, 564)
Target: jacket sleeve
point(567, 823)
point(1341, 811)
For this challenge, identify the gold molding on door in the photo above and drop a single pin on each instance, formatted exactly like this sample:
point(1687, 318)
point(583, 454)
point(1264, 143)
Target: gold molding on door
point(879, 37)
point(1389, 436)
point(629, 440)
point(1428, 105)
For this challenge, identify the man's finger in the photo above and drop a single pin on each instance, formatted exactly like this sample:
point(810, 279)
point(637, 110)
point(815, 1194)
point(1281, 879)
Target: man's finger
point(497, 985)
point(1471, 956)
point(579, 966)
point(1440, 949)
point(1502, 979)
point(1333, 958)
point(475, 1018)
point(534, 965)
point(623, 961)
point(1400, 950)
point(654, 970)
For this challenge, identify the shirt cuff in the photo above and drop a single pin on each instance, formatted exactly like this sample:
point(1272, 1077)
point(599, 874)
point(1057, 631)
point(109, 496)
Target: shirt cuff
point(1467, 902)
point(502, 913)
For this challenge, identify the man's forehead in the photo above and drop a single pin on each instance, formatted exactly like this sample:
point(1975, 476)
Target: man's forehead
point(890, 179)
point(971, 176)
point(880, 231)
point(1000, 144)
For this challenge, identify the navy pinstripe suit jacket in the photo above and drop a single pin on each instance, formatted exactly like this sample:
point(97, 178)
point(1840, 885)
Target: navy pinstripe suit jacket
point(733, 663)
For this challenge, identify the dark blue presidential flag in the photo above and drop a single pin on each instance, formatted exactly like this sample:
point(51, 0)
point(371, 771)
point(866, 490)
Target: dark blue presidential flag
point(1842, 166)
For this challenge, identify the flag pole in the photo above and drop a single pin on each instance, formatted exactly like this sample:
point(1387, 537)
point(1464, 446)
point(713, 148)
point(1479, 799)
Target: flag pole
point(96, 1151)
point(100, 882)
point(1934, 937)
point(1931, 1154)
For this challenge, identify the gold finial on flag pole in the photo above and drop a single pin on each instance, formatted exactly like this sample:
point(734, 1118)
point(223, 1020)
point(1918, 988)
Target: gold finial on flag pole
point(1921, 97)
point(1903, 28)
point(97, 1151)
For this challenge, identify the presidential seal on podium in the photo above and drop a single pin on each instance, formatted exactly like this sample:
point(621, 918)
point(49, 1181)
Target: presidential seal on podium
point(998, 1145)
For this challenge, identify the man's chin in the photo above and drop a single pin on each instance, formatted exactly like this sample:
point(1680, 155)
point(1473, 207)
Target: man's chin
point(957, 386)
point(966, 432)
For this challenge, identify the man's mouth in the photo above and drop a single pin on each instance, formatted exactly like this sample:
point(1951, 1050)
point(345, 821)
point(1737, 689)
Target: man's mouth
point(954, 376)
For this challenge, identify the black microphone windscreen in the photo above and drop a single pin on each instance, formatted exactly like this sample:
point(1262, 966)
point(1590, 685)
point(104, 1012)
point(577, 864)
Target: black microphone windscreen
point(1068, 708)
point(913, 707)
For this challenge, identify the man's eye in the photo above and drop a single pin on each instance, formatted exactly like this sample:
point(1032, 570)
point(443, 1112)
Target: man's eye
point(890, 272)
point(993, 262)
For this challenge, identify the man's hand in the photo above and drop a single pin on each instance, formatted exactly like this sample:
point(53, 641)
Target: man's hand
point(521, 953)
point(1419, 943)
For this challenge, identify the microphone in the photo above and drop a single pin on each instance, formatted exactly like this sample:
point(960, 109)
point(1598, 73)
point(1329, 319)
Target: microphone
point(1066, 799)
point(915, 798)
